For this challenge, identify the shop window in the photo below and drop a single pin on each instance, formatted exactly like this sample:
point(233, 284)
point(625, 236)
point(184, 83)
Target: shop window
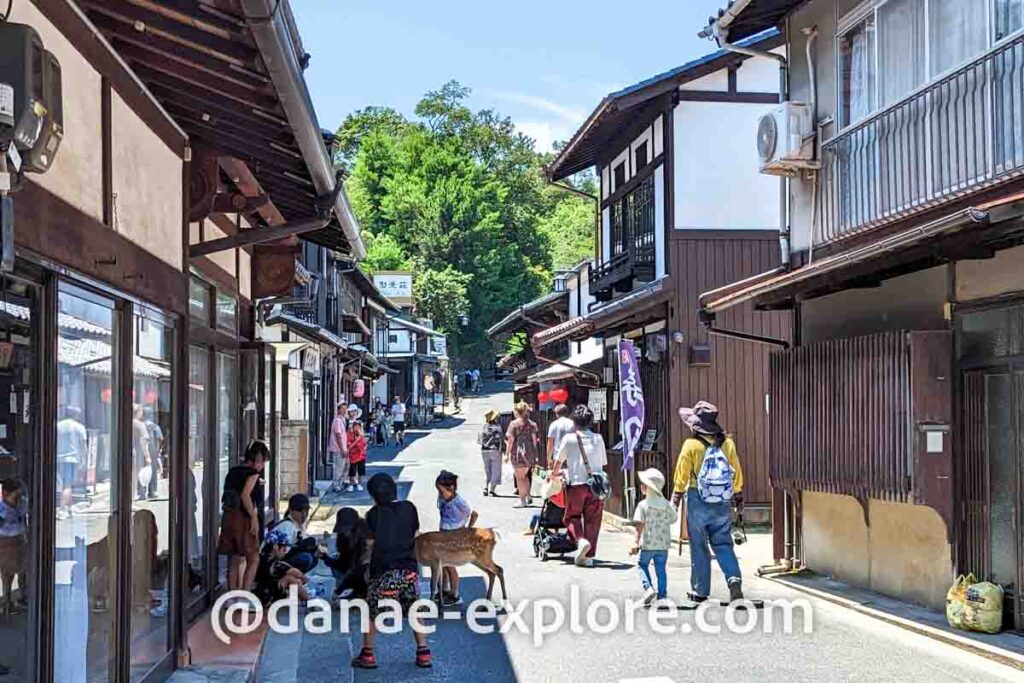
point(227, 312)
point(195, 473)
point(151, 518)
point(227, 429)
point(199, 300)
point(85, 576)
point(18, 468)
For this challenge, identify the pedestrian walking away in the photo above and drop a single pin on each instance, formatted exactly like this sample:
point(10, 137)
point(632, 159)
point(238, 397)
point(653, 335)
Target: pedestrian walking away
point(337, 443)
point(522, 448)
point(577, 458)
point(455, 513)
point(398, 419)
point(394, 571)
point(708, 474)
point(653, 519)
point(557, 430)
point(242, 516)
point(491, 439)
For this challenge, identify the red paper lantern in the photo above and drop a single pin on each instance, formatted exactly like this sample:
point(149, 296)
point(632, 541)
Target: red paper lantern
point(151, 397)
point(106, 395)
point(559, 395)
point(543, 397)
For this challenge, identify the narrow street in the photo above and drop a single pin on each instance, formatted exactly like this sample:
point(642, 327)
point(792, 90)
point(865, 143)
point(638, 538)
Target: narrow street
point(843, 645)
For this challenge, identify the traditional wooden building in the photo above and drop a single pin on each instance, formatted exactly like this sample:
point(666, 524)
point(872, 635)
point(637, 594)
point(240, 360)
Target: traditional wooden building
point(896, 418)
point(679, 215)
point(186, 183)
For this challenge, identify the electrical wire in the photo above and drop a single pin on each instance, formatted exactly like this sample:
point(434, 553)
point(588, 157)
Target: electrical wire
point(10, 3)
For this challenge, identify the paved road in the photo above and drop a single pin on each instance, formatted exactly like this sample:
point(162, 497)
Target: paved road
point(842, 645)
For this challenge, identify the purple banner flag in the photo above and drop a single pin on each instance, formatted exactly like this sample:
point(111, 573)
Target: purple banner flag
point(631, 402)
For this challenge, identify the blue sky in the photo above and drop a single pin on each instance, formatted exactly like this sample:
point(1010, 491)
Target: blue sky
point(545, 63)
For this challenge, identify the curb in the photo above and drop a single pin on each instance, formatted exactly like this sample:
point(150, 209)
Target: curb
point(990, 652)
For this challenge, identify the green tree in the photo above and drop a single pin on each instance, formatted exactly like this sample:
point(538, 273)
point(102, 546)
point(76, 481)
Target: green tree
point(442, 296)
point(385, 253)
point(570, 230)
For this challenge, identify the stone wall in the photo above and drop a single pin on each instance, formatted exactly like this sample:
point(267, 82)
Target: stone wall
point(293, 457)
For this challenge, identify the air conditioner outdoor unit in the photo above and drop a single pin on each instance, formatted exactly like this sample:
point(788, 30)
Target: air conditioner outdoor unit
point(785, 139)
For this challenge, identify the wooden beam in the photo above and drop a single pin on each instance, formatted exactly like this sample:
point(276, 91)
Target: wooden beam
point(227, 50)
point(259, 236)
point(735, 97)
point(183, 107)
point(49, 226)
point(106, 152)
point(247, 184)
point(249, 98)
point(104, 60)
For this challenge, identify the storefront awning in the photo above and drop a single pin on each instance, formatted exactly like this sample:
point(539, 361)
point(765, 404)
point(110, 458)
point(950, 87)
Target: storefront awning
point(605, 317)
point(310, 330)
point(915, 248)
point(555, 302)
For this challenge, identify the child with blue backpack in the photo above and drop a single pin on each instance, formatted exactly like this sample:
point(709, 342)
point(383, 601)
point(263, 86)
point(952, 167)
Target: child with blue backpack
point(708, 473)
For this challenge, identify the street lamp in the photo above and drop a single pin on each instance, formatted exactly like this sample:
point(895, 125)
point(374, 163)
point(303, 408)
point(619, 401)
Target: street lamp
point(463, 320)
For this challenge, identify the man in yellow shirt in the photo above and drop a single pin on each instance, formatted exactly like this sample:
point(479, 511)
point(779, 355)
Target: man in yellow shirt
point(709, 503)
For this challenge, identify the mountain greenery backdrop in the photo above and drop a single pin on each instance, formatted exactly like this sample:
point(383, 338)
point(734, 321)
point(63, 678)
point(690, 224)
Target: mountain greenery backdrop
point(459, 198)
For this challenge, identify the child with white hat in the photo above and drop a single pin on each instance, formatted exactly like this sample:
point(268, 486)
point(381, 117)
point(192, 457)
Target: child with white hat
point(653, 519)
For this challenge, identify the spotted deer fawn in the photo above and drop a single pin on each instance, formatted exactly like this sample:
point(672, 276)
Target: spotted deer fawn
point(438, 549)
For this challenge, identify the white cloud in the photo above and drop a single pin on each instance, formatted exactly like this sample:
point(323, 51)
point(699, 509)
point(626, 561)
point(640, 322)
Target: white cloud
point(545, 133)
point(567, 114)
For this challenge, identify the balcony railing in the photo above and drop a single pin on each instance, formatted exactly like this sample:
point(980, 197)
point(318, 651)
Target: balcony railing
point(954, 137)
point(633, 244)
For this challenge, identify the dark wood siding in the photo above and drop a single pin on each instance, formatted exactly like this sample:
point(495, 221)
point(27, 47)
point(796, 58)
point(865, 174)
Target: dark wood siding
point(737, 379)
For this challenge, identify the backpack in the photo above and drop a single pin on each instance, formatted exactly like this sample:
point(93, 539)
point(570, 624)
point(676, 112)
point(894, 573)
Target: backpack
point(492, 438)
point(714, 480)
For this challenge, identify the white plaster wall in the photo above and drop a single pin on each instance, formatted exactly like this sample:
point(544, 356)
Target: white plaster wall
point(718, 81)
point(718, 184)
point(76, 175)
point(146, 178)
point(224, 259)
point(245, 274)
point(759, 74)
point(606, 234)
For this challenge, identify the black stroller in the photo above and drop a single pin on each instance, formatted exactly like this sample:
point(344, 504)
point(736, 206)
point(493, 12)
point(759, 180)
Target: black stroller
point(550, 537)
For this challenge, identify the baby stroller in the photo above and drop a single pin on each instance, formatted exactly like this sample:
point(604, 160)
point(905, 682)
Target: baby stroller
point(551, 537)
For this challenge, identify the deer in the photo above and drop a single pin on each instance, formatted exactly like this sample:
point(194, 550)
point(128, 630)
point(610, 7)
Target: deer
point(475, 546)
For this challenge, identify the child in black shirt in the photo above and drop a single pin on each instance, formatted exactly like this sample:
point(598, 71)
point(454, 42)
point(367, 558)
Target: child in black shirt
point(351, 564)
point(274, 576)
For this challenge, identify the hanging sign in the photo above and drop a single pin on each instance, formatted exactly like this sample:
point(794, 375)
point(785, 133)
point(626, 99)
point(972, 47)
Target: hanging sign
point(632, 394)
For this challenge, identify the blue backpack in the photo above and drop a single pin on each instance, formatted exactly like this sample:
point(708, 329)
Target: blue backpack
point(714, 481)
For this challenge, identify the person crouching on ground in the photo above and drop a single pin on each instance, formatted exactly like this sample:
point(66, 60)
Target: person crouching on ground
point(394, 571)
point(455, 513)
point(490, 439)
point(274, 576)
point(653, 520)
point(352, 561)
point(579, 454)
point(708, 473)
point(302, 552)
point(356, 455)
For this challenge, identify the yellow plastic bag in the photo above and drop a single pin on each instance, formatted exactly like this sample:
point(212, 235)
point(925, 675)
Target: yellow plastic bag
point(956, 600)
point(983, 608)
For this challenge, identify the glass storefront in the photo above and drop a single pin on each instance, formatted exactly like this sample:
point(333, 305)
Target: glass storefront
point(87, 485)
point(151, 511)
point(19, 467)
point(197, 581)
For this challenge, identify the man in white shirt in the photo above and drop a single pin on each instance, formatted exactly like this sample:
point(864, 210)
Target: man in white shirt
point(398, 418)
point(71, 451)
point(583, 510)
point(557, 430)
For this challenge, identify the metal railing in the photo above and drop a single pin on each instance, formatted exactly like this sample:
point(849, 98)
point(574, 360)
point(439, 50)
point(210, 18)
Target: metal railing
point(956, 136)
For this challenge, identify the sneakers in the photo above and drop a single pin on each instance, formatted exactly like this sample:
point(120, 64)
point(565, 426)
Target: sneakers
point(487, 492)
point(359, 487)
point(692, 597)
point(367, 660)
point(450, 600)
point(582, 548)
point(423, 658)
point(735, 591)
point(649, 595)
